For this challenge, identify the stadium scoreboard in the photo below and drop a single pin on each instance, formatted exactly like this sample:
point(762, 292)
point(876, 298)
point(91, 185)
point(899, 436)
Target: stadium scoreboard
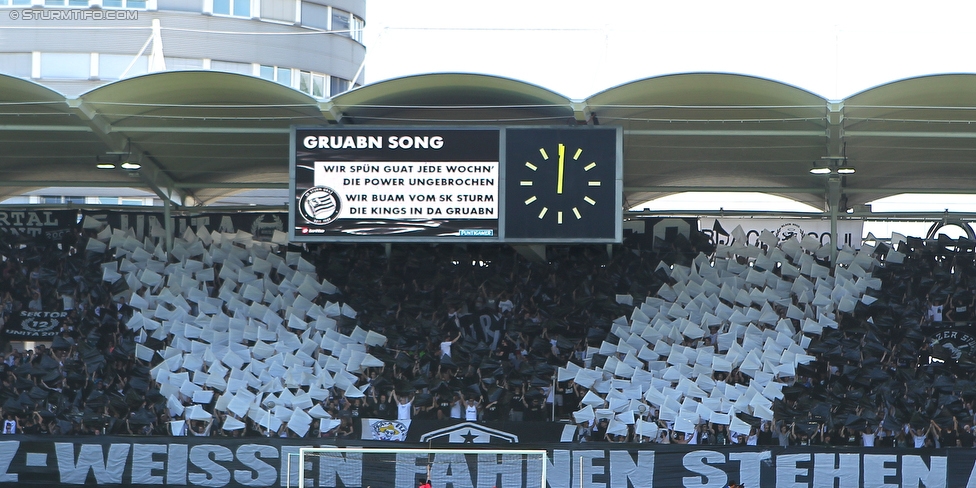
point(470, 184)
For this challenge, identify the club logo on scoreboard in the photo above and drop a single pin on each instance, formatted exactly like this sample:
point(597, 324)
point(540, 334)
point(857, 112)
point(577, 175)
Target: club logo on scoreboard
point(320, 205)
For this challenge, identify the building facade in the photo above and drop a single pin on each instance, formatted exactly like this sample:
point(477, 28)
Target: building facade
point(72, 46)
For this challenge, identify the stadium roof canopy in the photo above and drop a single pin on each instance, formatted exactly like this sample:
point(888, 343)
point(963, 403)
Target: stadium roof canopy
point(202, 135)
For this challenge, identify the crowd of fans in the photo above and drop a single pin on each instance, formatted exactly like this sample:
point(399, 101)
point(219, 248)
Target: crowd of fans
point(477, 332)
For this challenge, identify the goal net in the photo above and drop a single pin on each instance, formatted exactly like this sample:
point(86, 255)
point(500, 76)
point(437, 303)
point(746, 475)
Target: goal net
point(361, 467)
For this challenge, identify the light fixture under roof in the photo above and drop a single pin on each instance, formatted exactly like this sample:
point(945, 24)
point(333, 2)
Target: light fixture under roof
point(131, 166)
point(105, 166)
point(832, 165)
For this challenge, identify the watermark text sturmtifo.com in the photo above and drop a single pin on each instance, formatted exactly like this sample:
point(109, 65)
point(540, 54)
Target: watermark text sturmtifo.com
point(73, 14)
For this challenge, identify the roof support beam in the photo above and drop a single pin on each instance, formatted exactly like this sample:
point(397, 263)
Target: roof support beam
point(729, 189)
point(727, 133)
point(203, 130)
point(151, 173)
point(160, 182)
point(44, 128)
point(249, 185)
point(769, 189)
point(69, 184)
point(916, 134)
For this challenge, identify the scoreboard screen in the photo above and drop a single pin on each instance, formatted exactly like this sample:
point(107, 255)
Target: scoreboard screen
point(396, 184)
point(449, 184)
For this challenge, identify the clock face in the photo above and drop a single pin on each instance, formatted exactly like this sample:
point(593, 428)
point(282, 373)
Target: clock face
point(561, 183)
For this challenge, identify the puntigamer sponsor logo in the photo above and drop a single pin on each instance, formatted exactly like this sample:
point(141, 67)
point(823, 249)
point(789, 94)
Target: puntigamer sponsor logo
point(476, 232)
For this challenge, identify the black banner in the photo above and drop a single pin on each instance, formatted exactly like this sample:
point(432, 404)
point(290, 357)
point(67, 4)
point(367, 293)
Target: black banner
point(260, 225)
point(26, 325)
point(52, 224)
point(227, 462)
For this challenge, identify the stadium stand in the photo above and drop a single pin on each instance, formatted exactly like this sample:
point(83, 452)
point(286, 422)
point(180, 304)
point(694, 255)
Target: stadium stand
point(229, 336)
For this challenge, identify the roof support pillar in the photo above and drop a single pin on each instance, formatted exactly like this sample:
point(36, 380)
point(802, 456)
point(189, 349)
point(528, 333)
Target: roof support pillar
point(837, 152)
point(833, 197)
point(168, 224)
point(533, 252)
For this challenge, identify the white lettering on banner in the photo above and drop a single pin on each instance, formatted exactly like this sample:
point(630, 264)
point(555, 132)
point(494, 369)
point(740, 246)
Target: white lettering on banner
point(875, 471)
point(624, 469)
point(510, 470)
point(259, 473)
point(395, 191)
point(213, 473)
point(176, 464)
point(843, 467)
point(28, 223)
point(914, 471)
point(8, 449)
point(451, 469)
point(143, 464)
point(559, 469)
point(407, 468)
point(589, 469)
point(750, 465)
point(258, 465)
point(91, 457)
point(292, 451)
point(348, 468)
point(698, 462)
point(787, 471)
point(16, 219)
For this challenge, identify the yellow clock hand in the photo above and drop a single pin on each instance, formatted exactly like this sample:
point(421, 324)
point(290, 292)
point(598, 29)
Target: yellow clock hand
point(559, 182)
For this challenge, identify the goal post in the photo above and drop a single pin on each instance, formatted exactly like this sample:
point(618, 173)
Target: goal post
point(359, 467)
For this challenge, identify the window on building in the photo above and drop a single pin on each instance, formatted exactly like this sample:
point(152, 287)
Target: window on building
point(5, 3)
point(305, 82)
point(283, 76)
point(113, 66)
point(340, 22)
point(312, 84)
point(338, 85)
point(318, 86)
point(357, 29)
point(283, 10)
point(237, 8)
point(276, 74)
point(16, 64)
point(137, 4)
point(176, 64)
point(232, 67)
point(314, 15)
point(68, 66)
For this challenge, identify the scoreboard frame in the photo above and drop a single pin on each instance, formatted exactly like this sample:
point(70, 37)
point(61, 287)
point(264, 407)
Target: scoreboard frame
point(317, 212)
